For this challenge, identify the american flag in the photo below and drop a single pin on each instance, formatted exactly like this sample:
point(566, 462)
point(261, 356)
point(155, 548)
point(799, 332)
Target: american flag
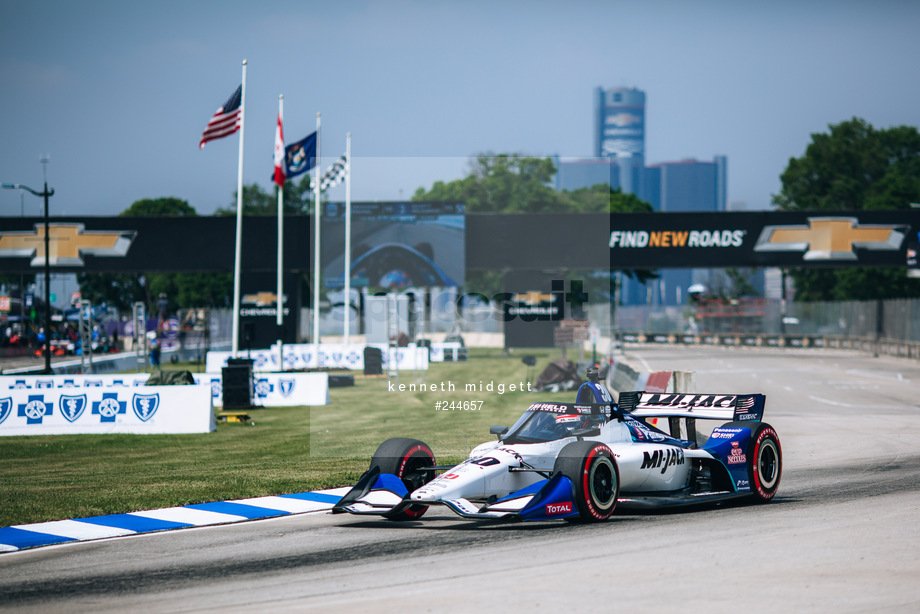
point(226, 119)
point(334, 174)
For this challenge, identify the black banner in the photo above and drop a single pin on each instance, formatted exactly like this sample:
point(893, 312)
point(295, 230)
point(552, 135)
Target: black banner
point(258, 309)
point(762, 239)
point(532, 304)
point(152, 244)
point(492, 241)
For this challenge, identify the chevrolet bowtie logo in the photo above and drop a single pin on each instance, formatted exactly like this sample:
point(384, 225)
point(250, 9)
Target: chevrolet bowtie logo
point(260, 299)
point(830, 238)
point(67, 243)
point(533, 298)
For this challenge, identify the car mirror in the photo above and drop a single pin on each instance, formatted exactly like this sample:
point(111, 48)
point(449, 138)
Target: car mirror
point(588, 432)
point(498, 430)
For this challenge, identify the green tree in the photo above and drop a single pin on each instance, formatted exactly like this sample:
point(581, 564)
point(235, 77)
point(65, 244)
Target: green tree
point(502, 183)
point(854, 167)
point(151, 207)
point(298, 199)
point(514, 183)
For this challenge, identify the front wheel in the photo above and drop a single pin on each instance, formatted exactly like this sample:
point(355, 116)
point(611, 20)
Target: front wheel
point(591, 468)
point(410, 460)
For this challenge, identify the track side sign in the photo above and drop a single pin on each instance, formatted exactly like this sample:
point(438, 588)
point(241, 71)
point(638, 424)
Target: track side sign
point(759, 239)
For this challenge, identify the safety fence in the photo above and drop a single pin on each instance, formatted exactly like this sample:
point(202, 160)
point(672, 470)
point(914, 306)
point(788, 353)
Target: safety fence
point(889, 347)
point(890, 327)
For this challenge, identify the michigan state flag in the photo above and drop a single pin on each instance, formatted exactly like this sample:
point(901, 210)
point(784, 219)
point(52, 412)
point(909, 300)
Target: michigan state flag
point(300, 157)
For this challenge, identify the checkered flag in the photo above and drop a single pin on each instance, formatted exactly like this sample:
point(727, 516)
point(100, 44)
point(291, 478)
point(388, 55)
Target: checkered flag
point(334, 174)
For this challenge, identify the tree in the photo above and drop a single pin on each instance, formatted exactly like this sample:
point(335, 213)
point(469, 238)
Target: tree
point(502, 183)
point(298, 199)
point(514, 183)
point(169, 205)
point(854, 167)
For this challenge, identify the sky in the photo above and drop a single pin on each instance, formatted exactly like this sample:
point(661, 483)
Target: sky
point(118, 93)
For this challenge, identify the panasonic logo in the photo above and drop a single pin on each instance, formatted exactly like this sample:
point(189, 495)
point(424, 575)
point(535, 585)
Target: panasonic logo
point(677, 238)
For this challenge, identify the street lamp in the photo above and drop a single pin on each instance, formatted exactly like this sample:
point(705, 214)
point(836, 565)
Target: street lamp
point(45, 194)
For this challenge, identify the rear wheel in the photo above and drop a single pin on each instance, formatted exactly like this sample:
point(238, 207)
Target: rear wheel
point(591, 468)
point(765, 462)
point(764, 457)
point(410, 460)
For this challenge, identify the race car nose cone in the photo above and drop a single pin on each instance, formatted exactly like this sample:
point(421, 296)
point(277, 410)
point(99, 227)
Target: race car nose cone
point(424, 496)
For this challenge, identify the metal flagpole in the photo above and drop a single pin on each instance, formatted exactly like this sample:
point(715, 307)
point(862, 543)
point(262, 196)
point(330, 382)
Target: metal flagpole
point(347, 234)
point(279, 304)
point(237, 260)
point(316, 274)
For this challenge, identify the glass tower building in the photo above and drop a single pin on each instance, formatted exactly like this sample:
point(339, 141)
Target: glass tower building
point(619, 160)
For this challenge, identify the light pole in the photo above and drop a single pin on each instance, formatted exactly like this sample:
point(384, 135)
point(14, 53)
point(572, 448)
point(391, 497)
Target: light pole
point(45, 194)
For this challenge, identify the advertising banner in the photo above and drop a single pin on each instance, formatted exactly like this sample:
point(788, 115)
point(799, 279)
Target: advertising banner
point(762, 239)
point(403, 244)
point(531, 308)
point(331, 355)
point(48, 382)
point(138, 410)
point(271, 389)
point(276, 389)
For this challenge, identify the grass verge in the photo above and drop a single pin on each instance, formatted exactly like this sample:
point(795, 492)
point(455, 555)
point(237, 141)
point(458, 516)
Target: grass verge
point(287, 450)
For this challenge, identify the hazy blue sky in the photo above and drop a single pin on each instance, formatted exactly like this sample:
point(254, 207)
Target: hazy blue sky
point(119, 92)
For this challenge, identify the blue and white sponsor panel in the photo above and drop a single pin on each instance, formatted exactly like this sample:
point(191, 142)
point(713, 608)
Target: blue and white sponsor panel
point(330, 355)
point(270, 389)
point(20, 537)
point(276, 389)
point(50, 382)
point(139, 410)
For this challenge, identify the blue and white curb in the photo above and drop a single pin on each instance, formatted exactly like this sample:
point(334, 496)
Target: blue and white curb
point(20, 537)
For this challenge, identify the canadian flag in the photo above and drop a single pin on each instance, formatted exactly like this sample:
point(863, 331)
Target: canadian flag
point(279, 153)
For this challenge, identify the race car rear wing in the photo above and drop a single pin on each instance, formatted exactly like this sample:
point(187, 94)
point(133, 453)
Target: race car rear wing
point(674, 406)
point(729, 407)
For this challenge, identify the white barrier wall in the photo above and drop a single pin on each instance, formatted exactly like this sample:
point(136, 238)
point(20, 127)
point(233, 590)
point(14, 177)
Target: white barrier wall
point(331, 355)
point(270, 389)
point(439, 352)
point(139, 410)
point(276, 389)
point(41, 382)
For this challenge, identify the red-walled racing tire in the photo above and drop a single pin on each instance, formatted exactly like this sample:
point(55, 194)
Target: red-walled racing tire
point(591, 468)
point(765, 462)
point(406, 458)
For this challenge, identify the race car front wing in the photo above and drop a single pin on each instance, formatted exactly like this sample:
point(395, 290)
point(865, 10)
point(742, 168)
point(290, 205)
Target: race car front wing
point(380, 493)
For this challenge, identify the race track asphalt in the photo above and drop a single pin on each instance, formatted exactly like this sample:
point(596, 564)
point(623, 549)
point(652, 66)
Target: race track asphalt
point(841, 535)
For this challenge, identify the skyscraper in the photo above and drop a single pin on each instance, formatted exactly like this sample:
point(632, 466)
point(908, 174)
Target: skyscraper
point(619, 124)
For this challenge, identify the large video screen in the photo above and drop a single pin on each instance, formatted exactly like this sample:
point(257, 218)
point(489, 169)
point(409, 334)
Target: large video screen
point(395, 245)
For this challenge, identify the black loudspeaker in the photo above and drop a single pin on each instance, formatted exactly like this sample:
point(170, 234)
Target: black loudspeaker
point(341, 381)
point(373, 361)
point(236, 383)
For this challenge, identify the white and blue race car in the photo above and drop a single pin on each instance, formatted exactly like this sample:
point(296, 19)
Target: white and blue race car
point(580, 461)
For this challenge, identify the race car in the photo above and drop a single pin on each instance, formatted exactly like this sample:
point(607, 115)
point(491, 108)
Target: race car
point(580, 461)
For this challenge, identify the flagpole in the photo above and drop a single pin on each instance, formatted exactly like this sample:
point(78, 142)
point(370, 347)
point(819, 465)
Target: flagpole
point(280, 300)
point(347, 234)
point(316, 271)
point(237, 260)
